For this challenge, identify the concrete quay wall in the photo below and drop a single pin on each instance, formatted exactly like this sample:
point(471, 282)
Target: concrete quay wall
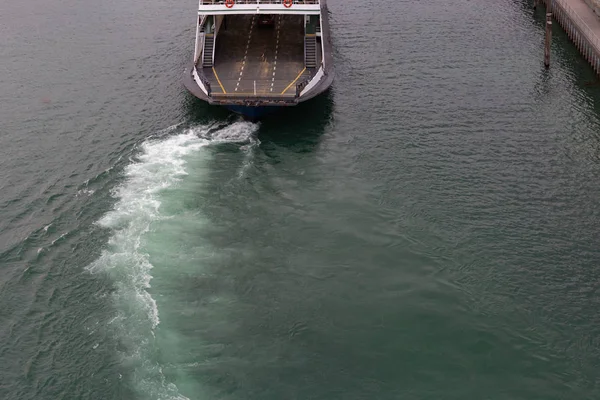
point(594, 5)
point(582, 25)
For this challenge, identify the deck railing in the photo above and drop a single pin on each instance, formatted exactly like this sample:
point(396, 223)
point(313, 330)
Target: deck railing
point(300, 87)
point(211, 2)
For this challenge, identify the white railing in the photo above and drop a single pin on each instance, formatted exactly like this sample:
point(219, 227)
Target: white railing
point(199, 39)
point(202, 83)
point(219, 2)
point(322, 43)
point(586, 31)
point(314, 81)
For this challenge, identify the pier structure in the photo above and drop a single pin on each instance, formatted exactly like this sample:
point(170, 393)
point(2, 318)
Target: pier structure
point(582, 26)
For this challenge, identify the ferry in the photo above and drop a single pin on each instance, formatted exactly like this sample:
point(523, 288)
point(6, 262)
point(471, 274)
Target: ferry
point(257, 56)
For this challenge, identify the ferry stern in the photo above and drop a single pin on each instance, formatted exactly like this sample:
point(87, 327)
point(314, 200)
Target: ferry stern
point(256, 56)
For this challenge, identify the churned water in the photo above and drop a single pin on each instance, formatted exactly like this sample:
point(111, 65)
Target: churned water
point(426, 230)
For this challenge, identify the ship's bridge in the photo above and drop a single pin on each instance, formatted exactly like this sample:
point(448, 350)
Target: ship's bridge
point(233, 7)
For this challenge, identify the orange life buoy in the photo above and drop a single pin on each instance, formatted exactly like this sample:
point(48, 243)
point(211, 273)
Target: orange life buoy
point(229, 3)
point(288, 3)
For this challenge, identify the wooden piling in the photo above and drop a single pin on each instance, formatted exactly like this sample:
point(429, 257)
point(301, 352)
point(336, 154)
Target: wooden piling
point(567, 18)
point(548, 41)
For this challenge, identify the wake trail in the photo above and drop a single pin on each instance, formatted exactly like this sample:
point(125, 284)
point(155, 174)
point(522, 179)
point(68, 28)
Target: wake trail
point(159, 165)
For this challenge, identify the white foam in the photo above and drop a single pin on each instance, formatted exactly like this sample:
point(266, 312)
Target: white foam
point(238, 132)
point(159, 165)
point(84, 192)
point(57, 239)
point(249, 151)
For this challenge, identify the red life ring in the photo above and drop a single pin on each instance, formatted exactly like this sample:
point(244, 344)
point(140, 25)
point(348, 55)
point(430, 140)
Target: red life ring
point(288, 3)
point(229, 3)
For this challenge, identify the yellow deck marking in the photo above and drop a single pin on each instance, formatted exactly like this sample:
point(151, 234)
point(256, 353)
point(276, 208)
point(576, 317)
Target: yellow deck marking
point(218, 80)
point(294, 81)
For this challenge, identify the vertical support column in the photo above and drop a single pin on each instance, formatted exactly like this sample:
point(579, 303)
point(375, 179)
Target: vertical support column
point(548, 39)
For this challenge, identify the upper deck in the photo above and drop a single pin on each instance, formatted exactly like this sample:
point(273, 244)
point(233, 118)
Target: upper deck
point(222, 7)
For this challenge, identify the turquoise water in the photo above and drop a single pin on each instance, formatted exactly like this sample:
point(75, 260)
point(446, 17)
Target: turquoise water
point(426, 230)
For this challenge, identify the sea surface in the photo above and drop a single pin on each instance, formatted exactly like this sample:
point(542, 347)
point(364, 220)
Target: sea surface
point(428, 229)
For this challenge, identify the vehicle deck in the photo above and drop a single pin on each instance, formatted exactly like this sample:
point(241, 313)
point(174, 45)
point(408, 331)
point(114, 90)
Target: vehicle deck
point(253, 60)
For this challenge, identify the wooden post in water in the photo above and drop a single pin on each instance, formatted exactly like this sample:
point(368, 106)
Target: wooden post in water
point(535, 3)
point(548, 41)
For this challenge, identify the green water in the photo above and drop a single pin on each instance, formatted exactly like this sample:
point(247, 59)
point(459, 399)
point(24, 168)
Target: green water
point(426, 230)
